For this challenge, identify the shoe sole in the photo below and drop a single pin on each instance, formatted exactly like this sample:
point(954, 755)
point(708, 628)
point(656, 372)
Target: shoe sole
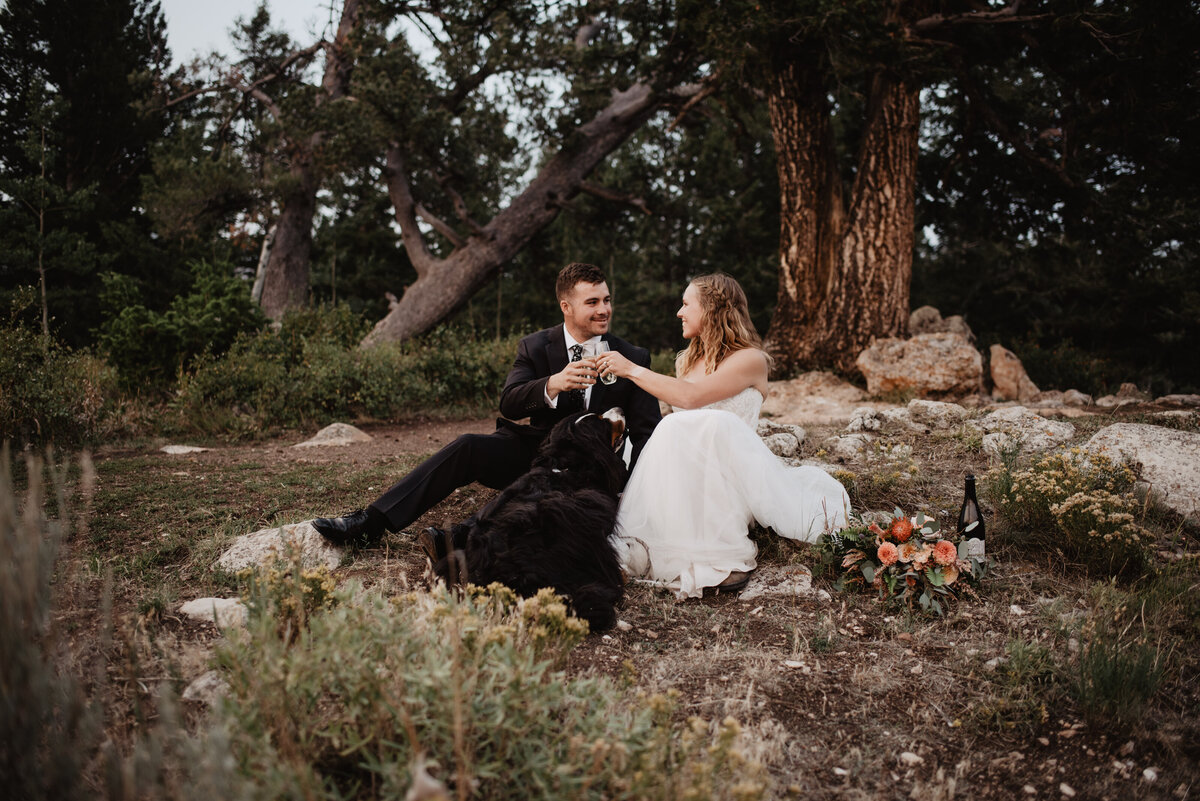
point(429, 544)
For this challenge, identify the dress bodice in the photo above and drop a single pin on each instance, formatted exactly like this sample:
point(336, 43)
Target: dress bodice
point(746, 405)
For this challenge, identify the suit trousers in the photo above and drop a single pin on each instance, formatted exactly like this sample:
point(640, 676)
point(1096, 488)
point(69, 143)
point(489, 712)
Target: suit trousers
point(494, 460)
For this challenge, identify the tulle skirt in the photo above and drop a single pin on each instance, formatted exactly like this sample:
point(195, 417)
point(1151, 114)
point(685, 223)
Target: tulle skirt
point(701, 480)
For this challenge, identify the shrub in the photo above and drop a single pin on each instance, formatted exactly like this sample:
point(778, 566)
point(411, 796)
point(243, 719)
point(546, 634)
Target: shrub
point(312, 372)
point(149, 348)
point(471, 685)
point(1120, 668)
point(1082, 507)
point(51, 393)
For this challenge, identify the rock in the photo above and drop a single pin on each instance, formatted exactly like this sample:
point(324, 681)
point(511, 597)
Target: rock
point(782, 445)
point(936, 415)
point(222, 611)
point(1066, 790)
point(1047, 399)
point(928, 320)
point(1167, 459)
point(935, 366)
point(1126, 395)
point(865, 418)
point(1073, 397)
point(335, 434)
point(1009, 379)
point(848, 447)
point(263, 546)
point(772, 581)
point(1016, 426)
point(208, 689)
point(909, 759)
point(177, 450)
point(1191, 401)
point(781, 439)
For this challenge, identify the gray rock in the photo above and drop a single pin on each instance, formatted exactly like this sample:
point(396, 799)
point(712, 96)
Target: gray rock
point(848, 447)
point(222, 611)
point(1016, 426)
point(179, 450)
point(782, 444)
point(1191, 401)
point(778, 581)
point(1073, 397)
point(262, 547)
point(1167, 459)
point(335, 435)
point(935, 414)
point(208, 689)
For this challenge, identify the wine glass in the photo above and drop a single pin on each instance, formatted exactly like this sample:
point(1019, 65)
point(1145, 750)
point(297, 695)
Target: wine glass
point(598, 349)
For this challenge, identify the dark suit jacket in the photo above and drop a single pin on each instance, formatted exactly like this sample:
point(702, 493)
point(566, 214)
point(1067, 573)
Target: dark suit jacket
point(542, 354)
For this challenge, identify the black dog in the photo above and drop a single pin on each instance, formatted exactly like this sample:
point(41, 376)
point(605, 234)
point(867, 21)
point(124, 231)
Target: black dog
point(550, 527)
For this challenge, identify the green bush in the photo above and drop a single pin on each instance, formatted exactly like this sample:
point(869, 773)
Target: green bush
point(312, 372)
point(1067, 367)
point(51, 393)
point(149, 348)
point(1082, 507)
point(372, 687)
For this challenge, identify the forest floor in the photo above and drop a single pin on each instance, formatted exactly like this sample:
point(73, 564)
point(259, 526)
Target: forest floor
point(838, 697)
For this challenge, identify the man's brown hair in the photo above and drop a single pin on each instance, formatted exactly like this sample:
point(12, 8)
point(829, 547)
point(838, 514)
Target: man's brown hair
point(574, 273)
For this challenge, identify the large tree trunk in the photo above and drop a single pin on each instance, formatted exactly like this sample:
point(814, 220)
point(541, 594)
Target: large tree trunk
point(285, 280)
point(444, 285)
point(845, 267)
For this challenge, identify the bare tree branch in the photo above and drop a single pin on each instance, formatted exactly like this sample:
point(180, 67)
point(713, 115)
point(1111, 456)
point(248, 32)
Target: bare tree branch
point(1009, 13)
point(460, 206)
point(400, 192)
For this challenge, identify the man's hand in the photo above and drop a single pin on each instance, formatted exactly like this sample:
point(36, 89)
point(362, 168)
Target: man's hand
point(576, 375)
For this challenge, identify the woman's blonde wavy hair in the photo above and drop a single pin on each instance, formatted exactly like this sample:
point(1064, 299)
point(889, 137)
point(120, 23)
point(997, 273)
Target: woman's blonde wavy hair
point(726, 326)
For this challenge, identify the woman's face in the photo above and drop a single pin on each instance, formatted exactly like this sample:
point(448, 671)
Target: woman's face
point(691, 313)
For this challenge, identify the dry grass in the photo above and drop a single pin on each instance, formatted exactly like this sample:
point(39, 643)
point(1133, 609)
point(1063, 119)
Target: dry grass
point(837, 697)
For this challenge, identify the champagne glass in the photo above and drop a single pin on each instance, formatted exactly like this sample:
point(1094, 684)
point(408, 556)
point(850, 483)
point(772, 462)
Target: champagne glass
point(599, 349)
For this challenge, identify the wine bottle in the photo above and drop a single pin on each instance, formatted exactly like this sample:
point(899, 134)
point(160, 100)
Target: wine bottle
point(970, 520)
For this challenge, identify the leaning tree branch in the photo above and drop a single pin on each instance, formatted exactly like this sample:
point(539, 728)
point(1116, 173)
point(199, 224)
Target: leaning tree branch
point(460, 205)
point(1008, 14)
point(400, 192)
point(440, 225)
point(603, 192)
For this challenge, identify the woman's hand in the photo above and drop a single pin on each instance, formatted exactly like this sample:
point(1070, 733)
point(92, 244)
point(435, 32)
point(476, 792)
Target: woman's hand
point(613, 362)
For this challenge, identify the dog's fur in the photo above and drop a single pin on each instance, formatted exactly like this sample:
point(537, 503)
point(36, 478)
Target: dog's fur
point(551, 527)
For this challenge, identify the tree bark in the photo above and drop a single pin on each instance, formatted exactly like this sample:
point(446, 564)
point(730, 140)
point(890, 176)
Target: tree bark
point(286, 277)
point(444, 285)
point(845, 263)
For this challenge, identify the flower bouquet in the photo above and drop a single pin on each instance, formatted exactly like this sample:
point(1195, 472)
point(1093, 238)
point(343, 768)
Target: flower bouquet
point(910, 562)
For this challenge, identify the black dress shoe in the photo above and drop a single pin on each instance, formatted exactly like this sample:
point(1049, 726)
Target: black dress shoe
point(433, 542)
point(360, 527)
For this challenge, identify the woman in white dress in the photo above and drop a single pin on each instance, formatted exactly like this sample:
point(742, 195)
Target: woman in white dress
point(705, 475)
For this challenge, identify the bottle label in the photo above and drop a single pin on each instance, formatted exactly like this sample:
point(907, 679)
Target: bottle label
point(975, 549)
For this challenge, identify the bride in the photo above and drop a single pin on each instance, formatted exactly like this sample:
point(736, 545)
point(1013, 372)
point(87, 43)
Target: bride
point(705, 475)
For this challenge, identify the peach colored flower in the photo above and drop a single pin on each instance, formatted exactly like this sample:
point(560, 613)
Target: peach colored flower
point(944, 553)
point(908, 550)
point(876, 530)
point(950, 574)
point(921, 557)
point(900, 529)
point(887, 554)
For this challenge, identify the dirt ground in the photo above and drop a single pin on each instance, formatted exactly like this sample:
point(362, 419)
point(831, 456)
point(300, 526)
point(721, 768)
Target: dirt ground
point(837, 697)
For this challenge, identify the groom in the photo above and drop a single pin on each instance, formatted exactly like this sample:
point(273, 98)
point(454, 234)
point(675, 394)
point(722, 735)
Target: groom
point(547, 382)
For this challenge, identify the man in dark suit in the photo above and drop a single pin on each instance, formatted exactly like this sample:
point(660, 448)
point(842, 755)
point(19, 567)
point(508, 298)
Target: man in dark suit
point(549, 380)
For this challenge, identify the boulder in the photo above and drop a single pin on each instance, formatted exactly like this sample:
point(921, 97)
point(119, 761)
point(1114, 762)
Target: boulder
point(816, 398)
point(179, 450)
point(938, 366)
point(208, 689)
point(222, 611)
point(1073, 397)
point(1126, 395)
point(775, 581)
point(848, 447)
point(334, 435)
point(1166, 459)
point(935, 414)
point(782, 439)
point(1009, 379)
point(928, 320)
point(262, 547)
point(1016, 426)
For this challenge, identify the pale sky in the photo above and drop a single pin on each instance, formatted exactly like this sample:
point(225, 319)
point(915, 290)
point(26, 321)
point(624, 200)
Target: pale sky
point(194, 27)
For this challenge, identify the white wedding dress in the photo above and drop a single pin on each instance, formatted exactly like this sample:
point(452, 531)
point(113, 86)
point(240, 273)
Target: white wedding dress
point(701, 480)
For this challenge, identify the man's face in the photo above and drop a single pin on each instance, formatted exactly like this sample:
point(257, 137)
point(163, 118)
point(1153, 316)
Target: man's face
point(587, 310)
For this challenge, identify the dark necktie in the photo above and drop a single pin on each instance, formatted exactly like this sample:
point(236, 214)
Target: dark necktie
point(574, 399)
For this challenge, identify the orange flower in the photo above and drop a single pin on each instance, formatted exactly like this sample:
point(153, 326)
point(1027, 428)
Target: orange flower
point(876, 530)
point(901, 529)
point(944, 553)
point(887, 554)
